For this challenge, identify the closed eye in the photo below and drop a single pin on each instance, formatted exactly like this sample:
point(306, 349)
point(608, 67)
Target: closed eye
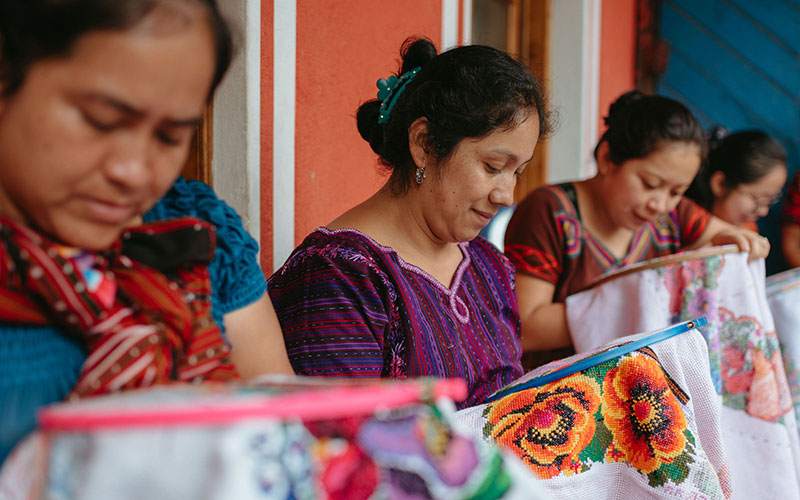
point(491, 169)
point(97, 124)
point(167, 139)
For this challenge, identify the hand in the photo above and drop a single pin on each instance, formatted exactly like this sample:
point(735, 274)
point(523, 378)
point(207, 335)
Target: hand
point(747, 241)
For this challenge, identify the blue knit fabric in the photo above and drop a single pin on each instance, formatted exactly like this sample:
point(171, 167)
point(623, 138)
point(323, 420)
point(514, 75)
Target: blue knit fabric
point(39, 365)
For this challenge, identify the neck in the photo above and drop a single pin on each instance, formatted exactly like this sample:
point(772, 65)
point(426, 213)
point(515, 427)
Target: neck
point(597, 216)
point(407, 226)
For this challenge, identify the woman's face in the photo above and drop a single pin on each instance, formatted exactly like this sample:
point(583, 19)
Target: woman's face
point(746, 203)
point(465, 190)
point(93, 139)
point(641, 189)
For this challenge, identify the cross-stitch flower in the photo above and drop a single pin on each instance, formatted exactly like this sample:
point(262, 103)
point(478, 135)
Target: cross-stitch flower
point(643, 415)
point(547, 426)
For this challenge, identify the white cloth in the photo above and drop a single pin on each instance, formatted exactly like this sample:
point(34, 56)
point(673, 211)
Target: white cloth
point(745, 357)
point(783, 294)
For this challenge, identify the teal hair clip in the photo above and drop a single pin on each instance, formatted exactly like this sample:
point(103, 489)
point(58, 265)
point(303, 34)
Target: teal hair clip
point(389, 90)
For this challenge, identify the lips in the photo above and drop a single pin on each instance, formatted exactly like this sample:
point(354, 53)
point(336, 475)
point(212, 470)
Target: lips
point(487, 216)
point(642, 220)
point(109, 212)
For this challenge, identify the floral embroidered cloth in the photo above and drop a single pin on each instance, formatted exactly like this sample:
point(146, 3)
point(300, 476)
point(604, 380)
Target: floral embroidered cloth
point(640, 425)
point(301, 439)
point(783, 294)
point(746, 364)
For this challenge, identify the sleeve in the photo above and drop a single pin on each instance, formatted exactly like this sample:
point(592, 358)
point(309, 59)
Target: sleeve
point(692, 221)
point(236, 277)
point(791, 204)
point(334, 313)
point(534, 239)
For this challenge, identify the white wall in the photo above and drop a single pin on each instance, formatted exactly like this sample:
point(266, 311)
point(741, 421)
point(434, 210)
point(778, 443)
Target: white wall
point(574, 71)
point(235, 161)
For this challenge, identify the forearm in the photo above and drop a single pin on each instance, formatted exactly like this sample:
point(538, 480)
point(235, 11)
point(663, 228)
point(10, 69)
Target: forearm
point(546, 328)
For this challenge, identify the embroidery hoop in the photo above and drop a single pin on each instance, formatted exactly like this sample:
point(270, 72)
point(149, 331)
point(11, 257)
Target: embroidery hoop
point(593, 359)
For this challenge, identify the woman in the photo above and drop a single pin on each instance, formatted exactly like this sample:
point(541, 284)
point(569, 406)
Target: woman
point(98, 103)
point(562, 237)
point(742, 177)
point(400, 286)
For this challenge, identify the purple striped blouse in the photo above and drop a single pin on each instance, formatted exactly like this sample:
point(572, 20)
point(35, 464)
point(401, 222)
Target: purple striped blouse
point(350, 307)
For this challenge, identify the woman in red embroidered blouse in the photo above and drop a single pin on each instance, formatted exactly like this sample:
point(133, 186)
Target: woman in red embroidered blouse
point(562, 237)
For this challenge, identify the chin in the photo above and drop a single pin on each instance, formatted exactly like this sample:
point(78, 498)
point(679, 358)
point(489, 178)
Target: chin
point(91, 239)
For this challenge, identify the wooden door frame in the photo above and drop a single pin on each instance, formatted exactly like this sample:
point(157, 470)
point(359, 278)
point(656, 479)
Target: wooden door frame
point(528, 38)
point(198, 163)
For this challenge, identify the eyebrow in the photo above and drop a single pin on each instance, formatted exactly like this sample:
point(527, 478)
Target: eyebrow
point(662, 180)
point(509, 154)
point(137, 113)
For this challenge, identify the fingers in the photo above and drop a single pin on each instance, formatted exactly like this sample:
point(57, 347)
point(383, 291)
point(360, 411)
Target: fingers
point(759, 247)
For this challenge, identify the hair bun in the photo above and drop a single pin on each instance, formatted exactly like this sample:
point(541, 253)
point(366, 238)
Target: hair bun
point(621, 106)
point(715, 135)
point(416, 52)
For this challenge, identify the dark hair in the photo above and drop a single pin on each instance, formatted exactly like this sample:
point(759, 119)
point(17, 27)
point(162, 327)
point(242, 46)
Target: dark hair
point(465, 92)
point(639, 124)
point(33, 30)
point(743, 157)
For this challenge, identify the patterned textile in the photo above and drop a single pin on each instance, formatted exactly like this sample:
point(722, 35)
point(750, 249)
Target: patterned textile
point(263, 442)
point(141, 327)
point(640, 425)
point(236, 278)
point(39, 364)
point(351, 307)
point(783, 294)
point(746, 364)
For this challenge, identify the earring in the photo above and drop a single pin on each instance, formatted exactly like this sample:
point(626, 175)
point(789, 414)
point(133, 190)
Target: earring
point(420, 174)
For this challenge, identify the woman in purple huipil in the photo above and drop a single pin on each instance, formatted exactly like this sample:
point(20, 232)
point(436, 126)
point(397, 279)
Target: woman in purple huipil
point(400, 285)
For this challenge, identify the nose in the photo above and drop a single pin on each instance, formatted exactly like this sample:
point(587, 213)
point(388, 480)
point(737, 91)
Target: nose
point(658, 203)
point(762, 210)
point(127, 164)
point(503, 192)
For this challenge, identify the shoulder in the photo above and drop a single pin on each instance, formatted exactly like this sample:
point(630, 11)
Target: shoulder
point(341, 249)
point(690, 213)
point(194, 198)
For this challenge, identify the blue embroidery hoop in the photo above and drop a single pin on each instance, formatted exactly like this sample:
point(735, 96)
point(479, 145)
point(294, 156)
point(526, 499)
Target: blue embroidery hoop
point(602, 357)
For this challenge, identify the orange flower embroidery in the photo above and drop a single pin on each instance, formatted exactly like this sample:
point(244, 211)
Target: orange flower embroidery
point(643, 415)
point(547, 426)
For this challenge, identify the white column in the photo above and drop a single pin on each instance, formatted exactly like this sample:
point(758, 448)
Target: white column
point(449, 24)
point(235, 161)
point(283, 157)
point(466, 22)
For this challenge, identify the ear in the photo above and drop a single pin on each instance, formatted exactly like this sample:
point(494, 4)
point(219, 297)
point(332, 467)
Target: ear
point(418, 141)
point(604, 164)
point(717, 184)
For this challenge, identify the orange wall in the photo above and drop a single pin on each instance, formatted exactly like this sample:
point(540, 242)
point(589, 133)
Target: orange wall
point(267, 44)
point(617, 52)
point(343, 47)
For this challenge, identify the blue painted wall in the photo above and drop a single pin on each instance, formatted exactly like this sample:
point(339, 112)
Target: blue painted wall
point(736, 63)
